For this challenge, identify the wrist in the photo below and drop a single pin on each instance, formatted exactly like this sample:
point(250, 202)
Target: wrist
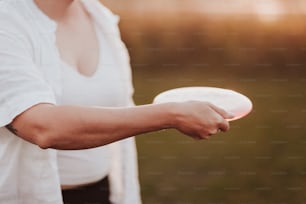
point(172, 112)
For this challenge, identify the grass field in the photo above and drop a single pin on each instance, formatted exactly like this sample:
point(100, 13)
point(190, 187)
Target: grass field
point(263, 158)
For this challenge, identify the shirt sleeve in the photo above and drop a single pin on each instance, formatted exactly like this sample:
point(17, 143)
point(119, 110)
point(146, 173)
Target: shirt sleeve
point(131, 184)
point(124, 181)
point(22, 84)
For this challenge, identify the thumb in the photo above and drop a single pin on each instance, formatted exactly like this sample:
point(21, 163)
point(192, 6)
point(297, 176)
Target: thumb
point(222, 112)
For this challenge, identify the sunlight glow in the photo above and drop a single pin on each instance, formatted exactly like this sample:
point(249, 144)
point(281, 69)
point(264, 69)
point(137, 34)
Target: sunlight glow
point(268, 10)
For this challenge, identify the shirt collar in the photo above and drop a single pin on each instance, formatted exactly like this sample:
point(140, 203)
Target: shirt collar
point(45, 23)
point(94, 7)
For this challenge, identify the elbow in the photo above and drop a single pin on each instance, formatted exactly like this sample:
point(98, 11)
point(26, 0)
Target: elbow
point(44, 142)
point(51, 136)
point(34, 132)
point(43, 135)
point(47, 135)
point(44, 138)
point(37, 125)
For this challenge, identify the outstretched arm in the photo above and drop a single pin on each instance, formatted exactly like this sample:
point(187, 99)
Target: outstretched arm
point(74, 127)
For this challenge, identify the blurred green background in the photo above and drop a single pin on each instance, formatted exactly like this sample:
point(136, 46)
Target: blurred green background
point(262, 55)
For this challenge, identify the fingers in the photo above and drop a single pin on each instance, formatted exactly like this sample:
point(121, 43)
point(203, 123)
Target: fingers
point(223, 126)
point(206, 136)
point(206, 121)
point(222, 112)
point(220, 125)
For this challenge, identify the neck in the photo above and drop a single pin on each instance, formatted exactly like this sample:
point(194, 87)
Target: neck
point(55, 9)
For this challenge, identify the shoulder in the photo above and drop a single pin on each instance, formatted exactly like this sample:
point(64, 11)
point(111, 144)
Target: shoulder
point(15, 26)
point(13, 17)
point(11, 8)
point(16, 36)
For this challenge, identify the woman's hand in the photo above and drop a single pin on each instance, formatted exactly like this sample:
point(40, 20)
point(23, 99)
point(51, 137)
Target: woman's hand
point(200, 120)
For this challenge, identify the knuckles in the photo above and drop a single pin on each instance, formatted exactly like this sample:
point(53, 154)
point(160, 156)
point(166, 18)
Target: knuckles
point(201, 120)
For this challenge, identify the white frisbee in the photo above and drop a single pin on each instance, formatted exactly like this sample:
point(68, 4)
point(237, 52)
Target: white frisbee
point(231, 101)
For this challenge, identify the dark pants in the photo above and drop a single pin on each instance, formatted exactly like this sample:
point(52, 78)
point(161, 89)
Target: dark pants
point(97, 193)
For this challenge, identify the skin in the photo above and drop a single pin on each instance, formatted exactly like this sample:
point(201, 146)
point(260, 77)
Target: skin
point(77, 127)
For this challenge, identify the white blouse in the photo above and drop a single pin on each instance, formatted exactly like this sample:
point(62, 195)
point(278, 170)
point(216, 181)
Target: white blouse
point(31, 73)
point(103, 88)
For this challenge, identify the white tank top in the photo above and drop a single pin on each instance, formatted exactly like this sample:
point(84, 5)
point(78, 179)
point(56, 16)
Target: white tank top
point(103, 88)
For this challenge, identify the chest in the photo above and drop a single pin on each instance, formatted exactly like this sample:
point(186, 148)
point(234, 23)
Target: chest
point(106, 87)
point(78, 45)
point(113, 77)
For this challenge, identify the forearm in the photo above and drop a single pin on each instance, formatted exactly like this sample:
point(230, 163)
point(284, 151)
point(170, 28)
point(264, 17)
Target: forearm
point(72, 127)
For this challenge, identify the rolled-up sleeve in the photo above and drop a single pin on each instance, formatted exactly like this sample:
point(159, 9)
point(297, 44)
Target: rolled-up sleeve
point(22, 84)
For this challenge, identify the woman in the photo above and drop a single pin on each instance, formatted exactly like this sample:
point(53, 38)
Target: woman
point(65, 84)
